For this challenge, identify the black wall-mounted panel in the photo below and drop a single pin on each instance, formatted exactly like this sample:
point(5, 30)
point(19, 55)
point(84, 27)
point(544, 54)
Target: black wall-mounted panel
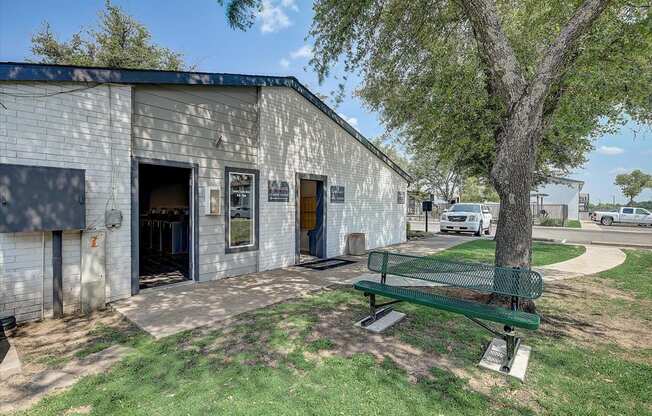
point(37, 198)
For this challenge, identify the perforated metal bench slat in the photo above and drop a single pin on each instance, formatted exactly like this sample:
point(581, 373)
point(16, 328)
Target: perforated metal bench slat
point(481, 277)
point(471, 309)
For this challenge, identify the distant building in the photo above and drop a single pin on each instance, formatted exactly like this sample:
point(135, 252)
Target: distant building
point(560, 191)
point(584, 202)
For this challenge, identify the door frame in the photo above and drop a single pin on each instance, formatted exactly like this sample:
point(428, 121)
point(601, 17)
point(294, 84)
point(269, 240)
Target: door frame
point(297, 211)
point(193, 267)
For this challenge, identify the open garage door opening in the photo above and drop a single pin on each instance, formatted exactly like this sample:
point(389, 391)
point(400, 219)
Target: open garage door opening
point(164, 221)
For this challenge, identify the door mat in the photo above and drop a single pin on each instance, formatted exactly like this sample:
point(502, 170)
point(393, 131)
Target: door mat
point(326, 264)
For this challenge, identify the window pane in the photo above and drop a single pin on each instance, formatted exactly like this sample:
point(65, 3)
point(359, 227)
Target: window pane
point(628, 210)
point(241, 209)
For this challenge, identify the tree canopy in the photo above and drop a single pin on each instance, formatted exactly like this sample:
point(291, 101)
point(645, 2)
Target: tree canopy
point(476, 189)
point(434, 175)
point(117, 41)
point(633, 183)
point(423, 72)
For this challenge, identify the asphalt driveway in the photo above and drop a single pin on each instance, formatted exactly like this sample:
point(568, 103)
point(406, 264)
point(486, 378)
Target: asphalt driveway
point(597, 234)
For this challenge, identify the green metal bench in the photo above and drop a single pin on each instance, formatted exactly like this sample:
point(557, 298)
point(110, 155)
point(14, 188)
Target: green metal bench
point(512, 282)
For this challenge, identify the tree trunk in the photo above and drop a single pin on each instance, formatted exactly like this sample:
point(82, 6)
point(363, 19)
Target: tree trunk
point(512, 176)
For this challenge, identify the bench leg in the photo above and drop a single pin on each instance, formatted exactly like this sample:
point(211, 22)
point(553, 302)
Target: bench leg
point(376, 311)
point(512, 343)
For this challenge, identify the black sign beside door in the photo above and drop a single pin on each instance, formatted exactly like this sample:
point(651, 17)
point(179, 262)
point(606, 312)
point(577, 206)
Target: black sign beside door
point(278, 191)
point(337, 194)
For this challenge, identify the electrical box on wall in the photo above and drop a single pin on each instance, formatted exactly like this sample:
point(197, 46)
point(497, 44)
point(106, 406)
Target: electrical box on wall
point(113, 218)
point(213, 201)
point(93, 272)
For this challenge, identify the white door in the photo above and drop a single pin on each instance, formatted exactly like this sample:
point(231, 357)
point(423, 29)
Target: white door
point(643, 216)
point(627, 215)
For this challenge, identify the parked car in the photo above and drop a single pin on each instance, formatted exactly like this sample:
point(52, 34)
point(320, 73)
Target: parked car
point(241, 212)
point(475, 218)
point(624, 215)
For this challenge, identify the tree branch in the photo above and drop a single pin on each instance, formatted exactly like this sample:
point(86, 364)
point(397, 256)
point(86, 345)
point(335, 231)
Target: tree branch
point(556, 58)
point(496, 49)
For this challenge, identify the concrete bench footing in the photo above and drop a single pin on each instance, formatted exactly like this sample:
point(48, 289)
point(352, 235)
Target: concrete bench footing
point(496, 352)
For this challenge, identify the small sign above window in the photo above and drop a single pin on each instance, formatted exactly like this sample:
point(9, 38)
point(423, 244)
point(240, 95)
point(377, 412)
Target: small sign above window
point(278, 191)
point(400, 197)
point(337, 194)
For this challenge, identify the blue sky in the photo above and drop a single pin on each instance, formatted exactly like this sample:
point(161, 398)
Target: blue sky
point(275, 45)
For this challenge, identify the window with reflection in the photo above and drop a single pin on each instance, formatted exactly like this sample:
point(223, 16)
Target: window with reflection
point(241, 212)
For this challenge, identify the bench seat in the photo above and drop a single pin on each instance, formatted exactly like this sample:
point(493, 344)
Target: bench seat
point(464, 307)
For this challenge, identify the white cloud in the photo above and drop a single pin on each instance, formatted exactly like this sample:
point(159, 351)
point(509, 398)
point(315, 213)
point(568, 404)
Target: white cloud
point(618, 171)
point(304, 52)
point(610, 150)
point(351, 120)
point(273, 17)
point(290, 4)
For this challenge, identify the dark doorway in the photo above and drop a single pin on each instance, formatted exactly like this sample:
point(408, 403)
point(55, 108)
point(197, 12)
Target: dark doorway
point(164, 221)
point(311, 218)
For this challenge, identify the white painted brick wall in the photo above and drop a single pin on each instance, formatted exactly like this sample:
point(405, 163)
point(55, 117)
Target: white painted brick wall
point(71, 130)
point(295, 136)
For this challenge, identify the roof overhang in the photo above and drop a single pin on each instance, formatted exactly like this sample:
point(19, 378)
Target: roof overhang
point(20, 71)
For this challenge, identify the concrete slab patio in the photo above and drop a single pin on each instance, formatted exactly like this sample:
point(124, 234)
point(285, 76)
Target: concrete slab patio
point(167, 311)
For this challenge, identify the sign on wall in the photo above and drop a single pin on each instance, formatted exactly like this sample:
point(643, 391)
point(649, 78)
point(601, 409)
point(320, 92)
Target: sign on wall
point(278, 191)
point(400, 197)
point(213, 201)
point(337, 194)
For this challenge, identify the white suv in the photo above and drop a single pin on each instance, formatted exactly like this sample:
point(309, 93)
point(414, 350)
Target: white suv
point(475, 218)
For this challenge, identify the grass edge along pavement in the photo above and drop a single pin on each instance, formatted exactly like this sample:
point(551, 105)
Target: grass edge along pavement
point(483, 251)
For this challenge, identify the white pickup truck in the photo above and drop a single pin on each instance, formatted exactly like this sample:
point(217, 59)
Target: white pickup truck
point(625, 215)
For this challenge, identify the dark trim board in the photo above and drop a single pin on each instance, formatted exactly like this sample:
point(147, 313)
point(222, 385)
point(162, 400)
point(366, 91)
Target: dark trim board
point(227, 195)
point(22, 71)
point(135, 217)
point(297, 214)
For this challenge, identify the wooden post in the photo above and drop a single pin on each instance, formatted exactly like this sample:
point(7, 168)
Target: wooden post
point(57, 274)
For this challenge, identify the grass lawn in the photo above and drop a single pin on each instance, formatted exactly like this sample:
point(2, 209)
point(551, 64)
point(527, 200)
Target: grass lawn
point(573, 224)
point(591, 356)
point(483, 251)
point(554, 222)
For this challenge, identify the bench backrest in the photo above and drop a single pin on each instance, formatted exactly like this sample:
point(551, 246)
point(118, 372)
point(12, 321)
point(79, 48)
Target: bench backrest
point(475, 276)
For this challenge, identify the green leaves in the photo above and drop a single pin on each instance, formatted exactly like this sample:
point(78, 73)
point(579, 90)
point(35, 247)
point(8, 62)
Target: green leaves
point(422, 70)
point(632, 184)
point(118, 41)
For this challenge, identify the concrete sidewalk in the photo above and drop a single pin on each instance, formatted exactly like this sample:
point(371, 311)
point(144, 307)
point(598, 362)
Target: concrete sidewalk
point(590, 225)
point(169, 310)
point(595, 259)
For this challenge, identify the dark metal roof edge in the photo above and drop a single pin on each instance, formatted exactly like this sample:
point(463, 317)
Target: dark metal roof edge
point(21, 71)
